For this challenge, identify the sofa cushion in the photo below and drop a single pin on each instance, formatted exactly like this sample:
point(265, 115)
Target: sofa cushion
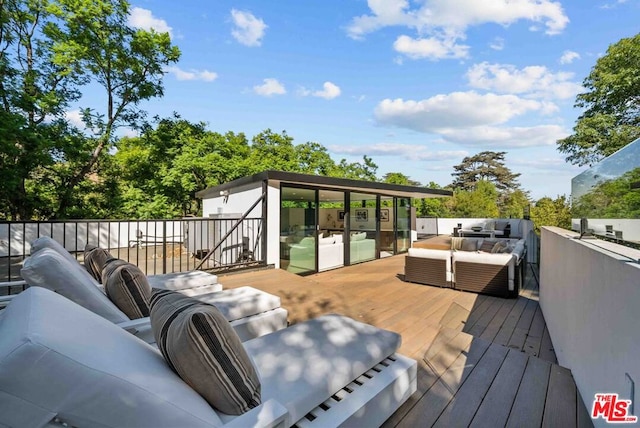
point(202, 347)
point(339, 239)
point(59, 359)
point(359, 236)
point(500, 225)
point(241, 302)
point(487, 245)
point(128, 288)
point(49, 269)
point(489, 225)
point(94, 260)
point(469, 245)
point(305, 363)
point(47, 242)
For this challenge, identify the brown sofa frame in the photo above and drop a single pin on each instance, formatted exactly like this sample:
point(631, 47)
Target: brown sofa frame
point(426, 271)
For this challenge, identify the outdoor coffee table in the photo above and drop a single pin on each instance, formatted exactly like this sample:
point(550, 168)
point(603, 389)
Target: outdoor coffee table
point(477, 234)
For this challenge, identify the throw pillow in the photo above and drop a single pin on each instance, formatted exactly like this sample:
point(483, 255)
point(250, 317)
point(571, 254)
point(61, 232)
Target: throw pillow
point(487, 245)
point(490, 225)
point(499, 247)
point(94, 260)
point(469, 245)
point(203, 349)
point(129, 290)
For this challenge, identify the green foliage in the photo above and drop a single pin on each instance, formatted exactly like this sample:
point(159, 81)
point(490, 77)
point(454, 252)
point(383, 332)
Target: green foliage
point(484, 166)
point(513, 204)
point(551, 212)
point(399, 178)
point(611, 199)
point(479, 202)
point(611, 119)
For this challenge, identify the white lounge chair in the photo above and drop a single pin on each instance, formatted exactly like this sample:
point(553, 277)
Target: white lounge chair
point(62, 364)
point(252, 312)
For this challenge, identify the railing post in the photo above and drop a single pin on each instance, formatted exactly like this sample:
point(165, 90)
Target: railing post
point(164, 246)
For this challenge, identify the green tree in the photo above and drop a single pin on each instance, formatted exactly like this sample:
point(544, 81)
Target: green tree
point(611, 119)
point(551, 212)
point(484, 166)
point(92, 39)
point(399, 178)
point(479, 202)
point(163, 168)
point(514, 204)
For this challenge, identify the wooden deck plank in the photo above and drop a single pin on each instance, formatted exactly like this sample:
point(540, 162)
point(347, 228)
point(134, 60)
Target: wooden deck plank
point(509, 325)
point(437, 398)
point(528, 407)
point(463, 406)
point(496, 405)
point(560, 409)
point(546, 348)
point(534, 336)
point(485, 319)
point(494, 326)
point(519, 335)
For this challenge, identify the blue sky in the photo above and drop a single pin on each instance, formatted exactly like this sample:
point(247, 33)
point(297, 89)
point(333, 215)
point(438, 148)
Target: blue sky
point(416, 85)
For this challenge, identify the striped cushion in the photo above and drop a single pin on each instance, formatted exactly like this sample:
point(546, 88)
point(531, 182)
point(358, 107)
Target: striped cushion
point(487, 245)
point(201, 346)
point(127, 287)
point(94, 260)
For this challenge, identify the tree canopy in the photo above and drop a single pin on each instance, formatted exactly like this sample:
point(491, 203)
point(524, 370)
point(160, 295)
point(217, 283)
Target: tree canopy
point(611, 103)
point(484, 166)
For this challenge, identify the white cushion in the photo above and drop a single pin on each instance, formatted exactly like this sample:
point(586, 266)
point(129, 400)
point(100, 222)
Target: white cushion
point(339, 239)
point(49, 269)
point(302, 365)
point(241, 302)
point(57, 358)
point(361, 236)
point(428, 253)
point(47, 242)
point(181, 281)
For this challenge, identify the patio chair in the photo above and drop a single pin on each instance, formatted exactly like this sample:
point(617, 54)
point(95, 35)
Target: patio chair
point(329, 371)
point(251, 312)
point(190, 283)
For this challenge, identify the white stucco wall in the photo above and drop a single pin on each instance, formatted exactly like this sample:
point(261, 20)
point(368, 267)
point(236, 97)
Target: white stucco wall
point(590, 298)
point(273, 225)
point(238, 201)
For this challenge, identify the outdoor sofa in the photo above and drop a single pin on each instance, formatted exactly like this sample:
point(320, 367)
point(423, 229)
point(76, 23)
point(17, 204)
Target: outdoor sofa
point(302, 256)
point(479, 265)
point(328, 371)
point(251, 312)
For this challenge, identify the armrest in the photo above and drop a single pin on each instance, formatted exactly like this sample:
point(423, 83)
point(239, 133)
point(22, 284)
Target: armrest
point(269, 414)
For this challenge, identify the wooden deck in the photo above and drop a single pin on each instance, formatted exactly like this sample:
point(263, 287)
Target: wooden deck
point(482, 361)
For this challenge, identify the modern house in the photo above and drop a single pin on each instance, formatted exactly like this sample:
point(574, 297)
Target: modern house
point(315, 223)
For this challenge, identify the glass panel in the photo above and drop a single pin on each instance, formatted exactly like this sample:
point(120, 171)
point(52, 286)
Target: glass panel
point(331, 221)
point(387, 220)
point(403, 224)
point(362, 219)
point(298, 230)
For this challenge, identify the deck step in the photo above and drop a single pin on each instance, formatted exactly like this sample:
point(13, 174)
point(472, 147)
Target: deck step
point(485, 384)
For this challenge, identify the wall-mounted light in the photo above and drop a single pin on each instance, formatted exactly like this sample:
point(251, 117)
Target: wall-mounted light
point(224, 193)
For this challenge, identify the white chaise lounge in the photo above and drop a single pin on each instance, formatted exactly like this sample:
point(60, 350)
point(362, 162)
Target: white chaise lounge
point(64, 365)
point(252, 312)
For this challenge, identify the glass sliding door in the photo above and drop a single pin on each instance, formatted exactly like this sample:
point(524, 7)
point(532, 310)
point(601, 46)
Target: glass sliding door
point(298, 226)
point(363, 227)
point(403, 224)
point(387, 221)
point(331, 224)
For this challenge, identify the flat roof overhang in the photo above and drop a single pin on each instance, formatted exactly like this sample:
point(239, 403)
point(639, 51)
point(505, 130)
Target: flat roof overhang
point(329, 183)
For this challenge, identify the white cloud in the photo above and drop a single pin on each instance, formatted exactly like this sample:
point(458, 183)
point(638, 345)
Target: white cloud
point(144, 19)
point(506, 137)
point(201, 75)
point(497, 44)
point(407, 151)
point(74, 117)
point(446, 22)
point(456, 110)
point(431, 48)
point(270, 87)
point(568, 57)
point(329, 91)
point(535, 81)
point(248, 30)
